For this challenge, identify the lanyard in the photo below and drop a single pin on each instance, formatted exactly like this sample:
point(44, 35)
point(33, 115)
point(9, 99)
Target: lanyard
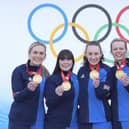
point(32, 72)
point(97, 67)
point(119, 67)
point(65, 78)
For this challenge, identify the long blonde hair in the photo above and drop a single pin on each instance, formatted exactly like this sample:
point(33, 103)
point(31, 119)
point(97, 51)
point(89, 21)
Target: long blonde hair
point(45, 71)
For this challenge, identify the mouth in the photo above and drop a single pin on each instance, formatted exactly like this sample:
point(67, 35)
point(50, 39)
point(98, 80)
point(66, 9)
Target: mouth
point(94, 61)
point(38, 60)
point(65, 66)
point(119, 55)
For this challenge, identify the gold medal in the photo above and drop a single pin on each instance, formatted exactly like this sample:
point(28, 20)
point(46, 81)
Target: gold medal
point(119, 74)
point(94, 74)
point(37, 78)
point(66, 85)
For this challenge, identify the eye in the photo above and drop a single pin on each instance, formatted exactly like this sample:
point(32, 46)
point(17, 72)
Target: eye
point(35, 52)
point(42, 53)
point(90, 53)
point(121, 48)
point(115, 49)
point(96, 53)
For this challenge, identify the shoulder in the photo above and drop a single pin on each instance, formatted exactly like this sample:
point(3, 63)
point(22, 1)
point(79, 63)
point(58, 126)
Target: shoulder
point(127, 61)
point(82, 70)
point(45, 71)
point(52, 81)
point(106, 67)
point(19, 69)
point(73, 75)
point(53, 78)
point(113, 68)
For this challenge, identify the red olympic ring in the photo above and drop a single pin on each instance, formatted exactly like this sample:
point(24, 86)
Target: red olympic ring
point(117, 21)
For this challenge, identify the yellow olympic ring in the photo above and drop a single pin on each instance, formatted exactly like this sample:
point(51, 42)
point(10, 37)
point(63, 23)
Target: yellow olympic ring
point(59, 27)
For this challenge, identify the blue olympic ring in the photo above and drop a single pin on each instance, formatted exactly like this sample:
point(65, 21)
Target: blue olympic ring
point(52, 6)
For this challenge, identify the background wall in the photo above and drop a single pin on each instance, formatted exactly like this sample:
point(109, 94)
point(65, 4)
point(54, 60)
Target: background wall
point(15, 37)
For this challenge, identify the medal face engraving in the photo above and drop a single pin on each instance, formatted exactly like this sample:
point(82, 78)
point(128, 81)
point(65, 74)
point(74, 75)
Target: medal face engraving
point(66, 85)
point(37, 78)
point(94, 74)
point(119, 74)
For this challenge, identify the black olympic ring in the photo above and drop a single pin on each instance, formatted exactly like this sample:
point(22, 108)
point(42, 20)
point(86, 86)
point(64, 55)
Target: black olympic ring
point(94, 6)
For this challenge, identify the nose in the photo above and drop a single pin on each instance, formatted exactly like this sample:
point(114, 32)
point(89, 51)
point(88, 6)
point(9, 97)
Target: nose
point(93, 57)
point(118, 50)
point(38, 54)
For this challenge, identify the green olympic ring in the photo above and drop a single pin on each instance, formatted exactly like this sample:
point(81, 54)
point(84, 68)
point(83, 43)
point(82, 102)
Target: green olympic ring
point(102, 28)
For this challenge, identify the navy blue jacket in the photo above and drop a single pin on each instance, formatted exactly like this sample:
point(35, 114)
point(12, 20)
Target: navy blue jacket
point(120, 96)
point(94, 106)
point(24, 108)
point(60, 108)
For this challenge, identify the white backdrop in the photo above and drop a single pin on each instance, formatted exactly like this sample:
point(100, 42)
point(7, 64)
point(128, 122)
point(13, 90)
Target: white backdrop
point(15, 37)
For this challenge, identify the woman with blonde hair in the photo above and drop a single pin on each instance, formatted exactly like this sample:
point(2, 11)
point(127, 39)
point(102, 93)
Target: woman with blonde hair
point(27, 109)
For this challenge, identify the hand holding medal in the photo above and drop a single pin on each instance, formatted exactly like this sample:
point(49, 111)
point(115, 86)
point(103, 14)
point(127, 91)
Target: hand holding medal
point(32, 86)
point(59, 90)
point(96, 82)
point(125, 80)
point(37, 75)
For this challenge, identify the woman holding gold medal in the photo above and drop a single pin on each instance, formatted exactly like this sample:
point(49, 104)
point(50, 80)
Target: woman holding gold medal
point(120, 85)
point(61, 93)
point(93, 77)
point(27, 110)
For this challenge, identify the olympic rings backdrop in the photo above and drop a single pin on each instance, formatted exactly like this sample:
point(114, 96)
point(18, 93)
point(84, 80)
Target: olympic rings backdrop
point(58, 24)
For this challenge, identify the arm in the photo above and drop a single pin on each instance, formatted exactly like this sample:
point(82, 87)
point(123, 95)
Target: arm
point(54, 93)
point(125, 82)
point(103, 90)
point(52, 99)
point(127, 88)
point(20, 91)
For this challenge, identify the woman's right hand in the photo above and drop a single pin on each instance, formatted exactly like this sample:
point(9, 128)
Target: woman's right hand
point(32, 86)
point(59, 90)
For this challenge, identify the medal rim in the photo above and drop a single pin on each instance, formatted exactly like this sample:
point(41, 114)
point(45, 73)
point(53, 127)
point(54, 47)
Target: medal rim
point(94, 72)
point(119, 73)
point(39, 78)
point(66, 85)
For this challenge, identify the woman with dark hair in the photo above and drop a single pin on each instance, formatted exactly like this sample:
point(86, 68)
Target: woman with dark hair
point(93, 77)
point(61, 93)
point(27, 109)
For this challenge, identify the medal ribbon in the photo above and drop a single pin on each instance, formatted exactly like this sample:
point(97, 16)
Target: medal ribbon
point(32, 72)
point(97, 67)
point(65, 78)
point(119, 67)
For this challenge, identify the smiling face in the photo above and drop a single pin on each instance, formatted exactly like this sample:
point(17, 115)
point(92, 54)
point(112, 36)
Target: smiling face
point(65, 64)
point(93, 54)
point(118, 51)
point(37, 55)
